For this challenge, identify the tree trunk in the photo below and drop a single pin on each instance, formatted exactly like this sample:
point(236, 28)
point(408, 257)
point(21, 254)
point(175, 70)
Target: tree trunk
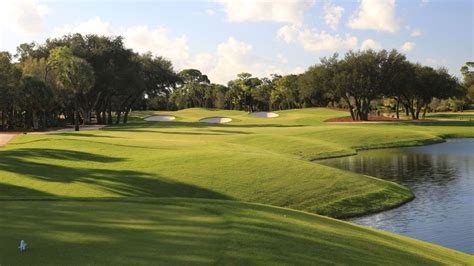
point(417, 111)
point(26, 125)
point(351, 109)
point(109, 115)
point(76, 117)
point(34, 119)
point(424, 111)
point(3, 120)
point(11, 117)
point(397, 107)
point(98, 117)
point(125, 116)
point(117, 117)
point(87, 116)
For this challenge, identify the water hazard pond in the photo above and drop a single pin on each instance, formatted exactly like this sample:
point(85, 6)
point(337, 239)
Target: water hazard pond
point(442, 178)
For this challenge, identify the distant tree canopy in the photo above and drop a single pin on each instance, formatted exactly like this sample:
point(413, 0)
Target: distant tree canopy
point(94, 79)
point(86, 77)
point(468, 73)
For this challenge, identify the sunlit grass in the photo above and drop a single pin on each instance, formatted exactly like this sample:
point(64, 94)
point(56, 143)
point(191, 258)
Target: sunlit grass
point(267, 161)
point(189, 231)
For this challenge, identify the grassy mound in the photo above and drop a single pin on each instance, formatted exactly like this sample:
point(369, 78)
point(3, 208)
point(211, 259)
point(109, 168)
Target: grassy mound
point(186, 231)
point(128, 179)
point(250, 159)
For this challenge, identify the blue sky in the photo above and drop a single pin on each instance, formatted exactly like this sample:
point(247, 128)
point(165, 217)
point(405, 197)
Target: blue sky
point(225, 37)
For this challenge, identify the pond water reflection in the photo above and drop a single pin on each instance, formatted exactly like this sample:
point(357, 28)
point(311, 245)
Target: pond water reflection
point(442, 178)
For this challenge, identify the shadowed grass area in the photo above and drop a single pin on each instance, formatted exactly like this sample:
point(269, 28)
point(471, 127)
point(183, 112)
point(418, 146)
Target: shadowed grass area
point(465, 116)
point(223, 173)
point(185, 231)
point(123, 174)
point(250, 159)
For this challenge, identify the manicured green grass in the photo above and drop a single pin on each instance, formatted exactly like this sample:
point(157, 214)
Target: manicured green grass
point(258, 160)
point(188, 231)
point(251, 159)
point(464, 116)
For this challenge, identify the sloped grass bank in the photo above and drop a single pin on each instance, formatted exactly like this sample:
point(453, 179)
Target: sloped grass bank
point(153, 192)
point(180, 231)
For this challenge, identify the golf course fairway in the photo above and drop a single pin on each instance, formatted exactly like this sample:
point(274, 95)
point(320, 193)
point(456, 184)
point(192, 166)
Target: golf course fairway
point(189, 231)
point(185, 192)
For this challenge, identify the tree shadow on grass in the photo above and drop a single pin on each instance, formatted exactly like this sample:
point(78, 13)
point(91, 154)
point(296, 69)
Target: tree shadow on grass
point(175, 232)
point(441, 123)
point(119, 182)
point(9, 190)
point(193, 133)
point(80, 134)
point(57, 154)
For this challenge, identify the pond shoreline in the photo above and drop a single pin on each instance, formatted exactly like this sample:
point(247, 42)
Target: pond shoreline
point(440, 177)
point(402, 144)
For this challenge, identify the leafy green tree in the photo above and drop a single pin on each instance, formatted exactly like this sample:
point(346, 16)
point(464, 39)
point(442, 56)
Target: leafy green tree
point(219, 96)
point(242, 89)
point(193, 90)
point(285, 95)
point(37, 98)
point(468, 73)
point(262, 94)
point(9, 82)
point(74, 74)
point(312, 89)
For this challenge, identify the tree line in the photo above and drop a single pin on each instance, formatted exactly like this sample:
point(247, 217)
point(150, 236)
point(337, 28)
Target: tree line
point(80, 79)
point(355, 81)
point(75, 79)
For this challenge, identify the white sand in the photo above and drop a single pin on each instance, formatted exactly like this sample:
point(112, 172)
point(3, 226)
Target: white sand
point(6, 137)
point(216, 120)
point(265, 114)
point(160, 118)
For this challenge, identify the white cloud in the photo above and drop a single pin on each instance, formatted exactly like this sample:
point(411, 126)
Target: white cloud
point(142, 39)
point(370, 44)
point(332, 15)
point(407, 47)
point(297, 70)
point(314, 41)
point(287, 33)
point(202, 61)
point(415, 33)
point(158, 41)
point(91, 26)
point(230, 58)
point(287, 11)
point(234, 57)
point(25, 17)
point(376, 15)
point(282, 59)
point(210, 12)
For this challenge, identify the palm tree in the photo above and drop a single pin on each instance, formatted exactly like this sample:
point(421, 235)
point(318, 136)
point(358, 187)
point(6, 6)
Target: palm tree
point(73, 74)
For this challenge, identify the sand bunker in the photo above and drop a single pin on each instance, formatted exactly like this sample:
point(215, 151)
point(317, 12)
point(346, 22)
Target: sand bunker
point(264, 114)
point(160, 118)
point(216, 120)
